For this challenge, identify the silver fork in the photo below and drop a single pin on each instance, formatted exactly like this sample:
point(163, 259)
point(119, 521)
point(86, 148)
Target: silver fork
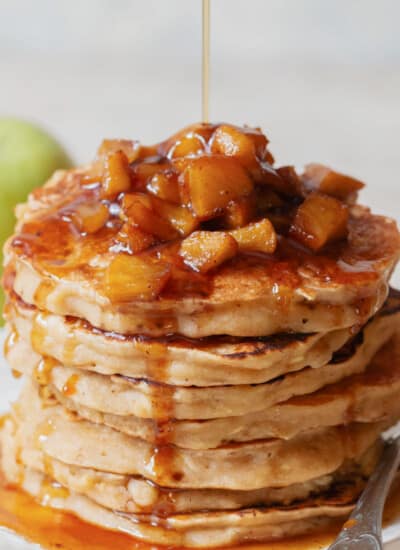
point(363, 530)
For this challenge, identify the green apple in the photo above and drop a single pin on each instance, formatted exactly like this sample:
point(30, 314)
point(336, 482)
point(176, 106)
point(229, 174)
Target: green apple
point(28, 157)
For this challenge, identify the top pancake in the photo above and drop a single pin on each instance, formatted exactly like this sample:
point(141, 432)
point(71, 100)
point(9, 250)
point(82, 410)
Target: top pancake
point(250, 296)
point(57, 266)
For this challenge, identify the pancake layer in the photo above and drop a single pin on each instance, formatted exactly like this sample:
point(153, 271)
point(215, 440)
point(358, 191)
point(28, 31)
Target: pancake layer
point(209, 346)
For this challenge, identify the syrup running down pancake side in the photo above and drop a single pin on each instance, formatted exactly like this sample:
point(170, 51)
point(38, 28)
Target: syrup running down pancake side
point(251, 259)
point(208, 346)
point(58, 530)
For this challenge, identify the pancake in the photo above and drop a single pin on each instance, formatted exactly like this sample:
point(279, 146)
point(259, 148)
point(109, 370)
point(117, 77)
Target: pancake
point(123, 396)
point(52, 267)
point(248, 525)
point(242, 466)
point(138, 495)
point(207, 362)
point(206, 529)
point(209, 347)
point(371, 396)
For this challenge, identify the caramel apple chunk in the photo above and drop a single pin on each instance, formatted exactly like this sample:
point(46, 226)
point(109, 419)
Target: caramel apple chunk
point(239, 213)
point(246, 144)
point(205, 250)
point(90, 218)
point(256, 237)
point(188, 145)
point(317, 177)
point(165, 186)
point(179, 217)
point(212, 182)
point(137, 209)
point(132, 277)
point(129, 147)
point(116, 174)
point(320, 219)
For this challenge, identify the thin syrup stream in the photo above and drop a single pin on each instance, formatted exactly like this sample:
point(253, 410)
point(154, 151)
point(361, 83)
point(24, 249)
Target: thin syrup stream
point(206, 61)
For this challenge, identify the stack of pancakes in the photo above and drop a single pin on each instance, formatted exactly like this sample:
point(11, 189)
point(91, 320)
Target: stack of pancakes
point(246, 405)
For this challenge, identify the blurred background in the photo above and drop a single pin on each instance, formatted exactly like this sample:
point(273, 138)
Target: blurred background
point(321, 77)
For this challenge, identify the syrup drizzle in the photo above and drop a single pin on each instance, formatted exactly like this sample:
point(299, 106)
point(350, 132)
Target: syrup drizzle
point(69, 387)
point(206, 60)
point(57, 530)
point(162, 463)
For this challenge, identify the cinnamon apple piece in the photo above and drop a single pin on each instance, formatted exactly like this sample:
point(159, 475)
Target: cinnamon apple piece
point(128, 147)
point(256, 237)
point(246, 144)
point(180, 217)
point(186, 146)
point(212, 182)
point(165, 186)
point(116, 177)
point(206, 250)
point(239, 213)
point(320, 219)
point(89, 218)
point(137, 239)
point(137, 210)
point(134, 278)
point(317, 177)
point(200, 131)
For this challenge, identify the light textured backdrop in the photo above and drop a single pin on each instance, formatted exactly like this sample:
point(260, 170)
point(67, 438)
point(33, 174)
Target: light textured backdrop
point(322, 77)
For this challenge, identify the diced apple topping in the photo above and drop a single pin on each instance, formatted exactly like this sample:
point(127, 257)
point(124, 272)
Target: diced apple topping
point(209, 192)
point(318, 177)
point(165, 186)
point(89, 218)
point(212, 182)
point(187, 146)
point(137, 209)
point(201, 131)
point(320, 219)
point(134, 278)
point(206, 250)
point(180, 217)
point(240, 212)
point(256, 237)
point(116, 174)
point(128, 147)
point(144, 170)
point(137, 239)
point(245, 144)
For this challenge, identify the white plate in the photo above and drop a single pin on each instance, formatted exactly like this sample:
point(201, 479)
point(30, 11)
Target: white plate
point(9, 388)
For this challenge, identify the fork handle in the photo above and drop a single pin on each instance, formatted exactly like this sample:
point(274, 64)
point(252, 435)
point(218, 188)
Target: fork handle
point(363, 531)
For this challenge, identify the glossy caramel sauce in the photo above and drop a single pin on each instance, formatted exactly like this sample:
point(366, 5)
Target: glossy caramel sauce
point(155, 348)
point(206, 60)
point(58, 530)
point(43, 369)
point(69, 387)
point(61, 238)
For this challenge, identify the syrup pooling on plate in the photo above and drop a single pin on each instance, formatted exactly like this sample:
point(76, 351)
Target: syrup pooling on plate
point(153, 260)
point(55, 529)
point(145, 223)
point(58, 530)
